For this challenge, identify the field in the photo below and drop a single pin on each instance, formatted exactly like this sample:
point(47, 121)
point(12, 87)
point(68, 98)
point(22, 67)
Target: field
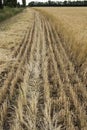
point(41, 87)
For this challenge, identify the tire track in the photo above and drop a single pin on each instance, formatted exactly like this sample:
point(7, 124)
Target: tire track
point(26, 108)
point(14, 92)
point(11, 74)
point(34, 81)
point(47, 104)
point(16, 55)
point(55, 64)
point(14, 85)
point(76, 81)
point(65, 80)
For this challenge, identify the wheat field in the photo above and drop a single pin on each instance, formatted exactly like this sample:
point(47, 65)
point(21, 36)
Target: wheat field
point(72, 27)
point(41, 87)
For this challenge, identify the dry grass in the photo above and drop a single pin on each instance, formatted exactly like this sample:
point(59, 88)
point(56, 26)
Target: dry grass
point(39, 86)
point(12, 32)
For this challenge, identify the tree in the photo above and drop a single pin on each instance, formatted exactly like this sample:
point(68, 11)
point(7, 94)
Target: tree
point(65, 3)
point(4, 2)
point(59, 3)
point(18, 4)
point(24, 2)
point(11, 3)
point(1, 5)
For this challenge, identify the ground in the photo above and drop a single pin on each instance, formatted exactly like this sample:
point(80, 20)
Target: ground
point(39, 86)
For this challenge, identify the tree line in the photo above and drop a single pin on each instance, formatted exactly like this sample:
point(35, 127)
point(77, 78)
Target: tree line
point(58, 3)
point(15, 3)
point(11, 3)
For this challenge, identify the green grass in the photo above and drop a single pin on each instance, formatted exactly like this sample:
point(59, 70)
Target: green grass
point(8, 12)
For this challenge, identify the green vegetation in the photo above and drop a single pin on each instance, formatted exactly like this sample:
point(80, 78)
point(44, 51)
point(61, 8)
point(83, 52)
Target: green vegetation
point(11, 3)
point(1, 5)
point(24, 2)
point(8, 12)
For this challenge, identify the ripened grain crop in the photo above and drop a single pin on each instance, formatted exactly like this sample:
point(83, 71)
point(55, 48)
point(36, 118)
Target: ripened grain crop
point(72, 27)
point(40, 87)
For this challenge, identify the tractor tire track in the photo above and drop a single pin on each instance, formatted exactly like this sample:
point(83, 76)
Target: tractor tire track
point(62, 92)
